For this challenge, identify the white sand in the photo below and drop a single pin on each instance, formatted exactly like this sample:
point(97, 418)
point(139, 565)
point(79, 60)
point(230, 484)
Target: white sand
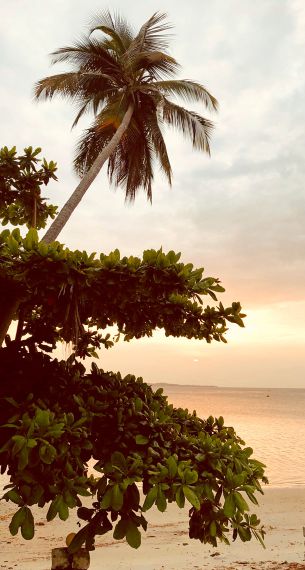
point(166, 545)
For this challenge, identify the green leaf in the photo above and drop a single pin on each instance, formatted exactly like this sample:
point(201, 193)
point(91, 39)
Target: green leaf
point(161, 501)
point(208, 492)
point(42, 418)
point(13, 496)
point(150, 498)
point(260, 538)
point(63, 509)
point(119, 461)
point(47, 453)
point(180, 498)
point(133, 535)
point(172, 467)
point(69, 499)
point(17, 520)
point(13, 245)
point(213, 528)
point(240, 502)
point(19, 443)
point(82, 491)
point(107, 499)
point(117, 497)
point(141, 440)
point(229, 506)
point(138, 404)
point(190, 476)
point(27, 526)
point(120, 530)
point(53, 509)
point(244, 533)
point(31, 239)
point(247, 452)
point(250, 493)
point(191, 496)
point(23, 458)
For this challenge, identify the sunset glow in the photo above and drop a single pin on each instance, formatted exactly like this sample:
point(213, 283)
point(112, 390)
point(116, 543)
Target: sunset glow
point(239, 214)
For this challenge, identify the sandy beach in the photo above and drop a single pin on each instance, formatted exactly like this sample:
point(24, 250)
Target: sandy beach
point(166, 545)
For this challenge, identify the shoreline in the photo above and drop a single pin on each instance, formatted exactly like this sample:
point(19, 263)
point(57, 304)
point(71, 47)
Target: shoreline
point(166, 544)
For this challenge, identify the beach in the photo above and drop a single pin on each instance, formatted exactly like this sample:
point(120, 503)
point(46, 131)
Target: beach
point(166, 544)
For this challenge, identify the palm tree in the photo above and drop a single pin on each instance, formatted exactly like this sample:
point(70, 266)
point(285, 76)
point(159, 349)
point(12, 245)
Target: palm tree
point(126, 79)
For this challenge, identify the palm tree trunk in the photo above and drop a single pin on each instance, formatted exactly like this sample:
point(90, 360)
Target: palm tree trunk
point(8, 310)
point(75, 198)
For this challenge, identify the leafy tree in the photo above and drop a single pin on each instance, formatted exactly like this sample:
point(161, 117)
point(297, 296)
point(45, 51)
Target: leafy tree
point(126, 79)
point(135, 437)
point(56, 416)
point(64, 295)
point(21, 201)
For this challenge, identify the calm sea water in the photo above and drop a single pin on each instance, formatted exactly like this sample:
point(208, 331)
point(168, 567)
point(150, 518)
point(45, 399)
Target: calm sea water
point(271, 421)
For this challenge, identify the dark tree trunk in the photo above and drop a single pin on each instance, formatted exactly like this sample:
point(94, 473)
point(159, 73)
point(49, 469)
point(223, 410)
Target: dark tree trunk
point(9, 303)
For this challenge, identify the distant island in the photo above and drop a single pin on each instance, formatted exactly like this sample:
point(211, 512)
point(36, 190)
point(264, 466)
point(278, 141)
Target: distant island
point(167, 385)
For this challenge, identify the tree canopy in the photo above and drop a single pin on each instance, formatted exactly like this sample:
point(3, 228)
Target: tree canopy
point(21, 178)
point(127, 80)
point(146, 452)
point(66, 295)
point(55, 416)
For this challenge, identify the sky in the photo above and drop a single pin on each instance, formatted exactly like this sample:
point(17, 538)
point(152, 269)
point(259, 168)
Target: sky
point(239, 214)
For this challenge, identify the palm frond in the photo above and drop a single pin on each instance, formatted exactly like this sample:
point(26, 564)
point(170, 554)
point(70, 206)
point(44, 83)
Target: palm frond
point(65, 84)
point(116, 26)
point(93, 103)
point(113, 68)
point(89, 146)
point(87, 90)
point(130, 166)
point(140, 170)
point(99, 134)
point(115, 44)
point(150, 38)
point(90, 55)
point(187, 90)
point(158, 144)
point(83, 108)
point(155, 65)
point(192, 125)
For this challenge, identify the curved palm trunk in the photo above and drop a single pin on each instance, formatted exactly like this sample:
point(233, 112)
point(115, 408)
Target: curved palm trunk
point(7, 313)
point(75, 198)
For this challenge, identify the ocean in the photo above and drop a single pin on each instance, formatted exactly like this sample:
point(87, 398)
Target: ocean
point(271, 421)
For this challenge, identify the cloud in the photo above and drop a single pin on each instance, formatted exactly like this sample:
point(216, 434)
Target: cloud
point(241, 213)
